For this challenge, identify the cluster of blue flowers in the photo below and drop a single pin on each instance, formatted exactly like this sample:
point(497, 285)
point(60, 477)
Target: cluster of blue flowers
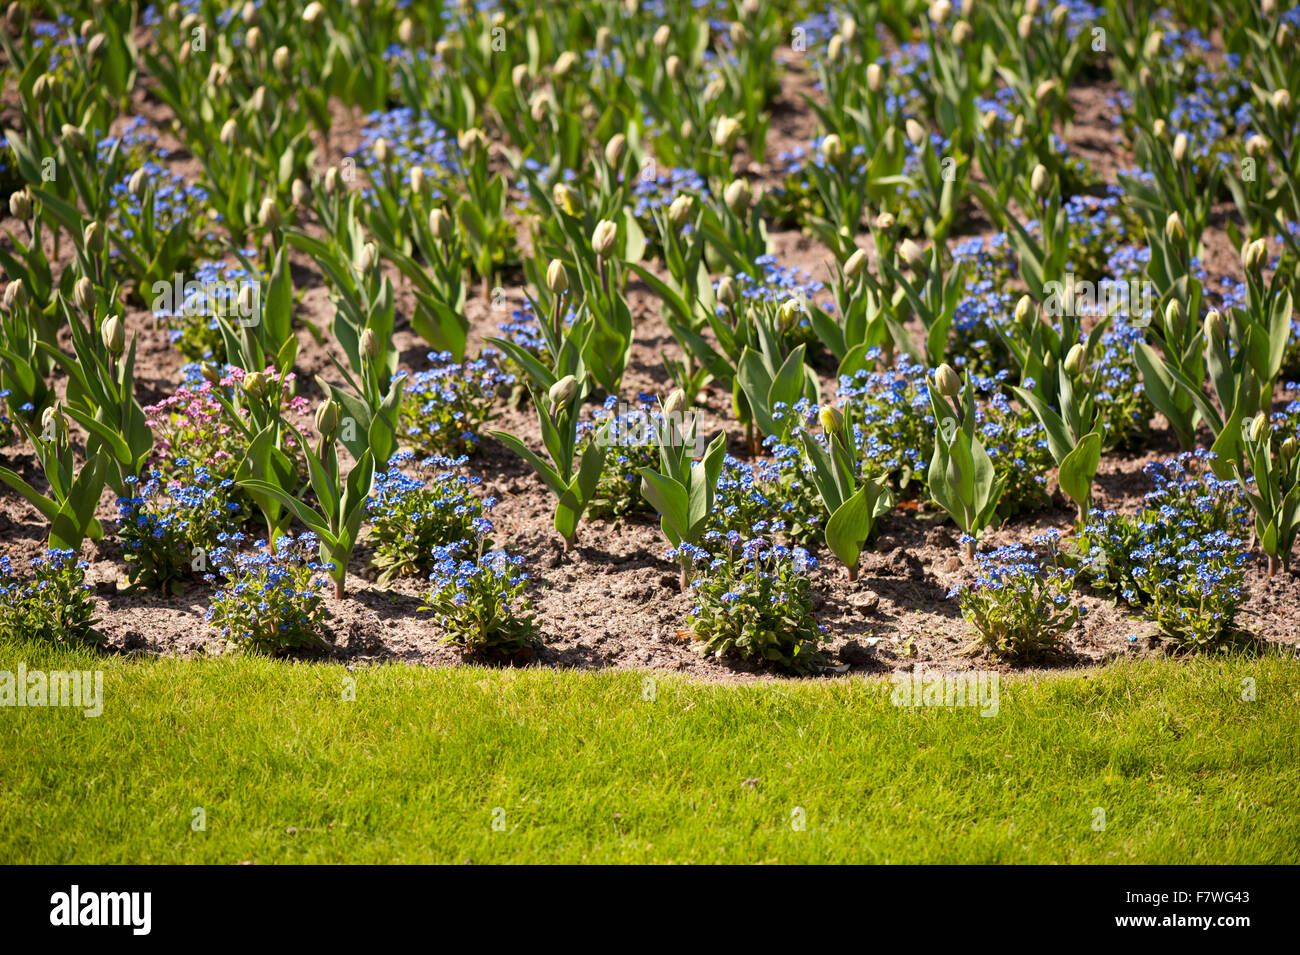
point(213, 291)
point(444, 408)
point(1019, 602)
point(1180, 557)
point(894, 426)
point(767, 495)
point(167, 531)
point(409, 516)
point(413, 140)
point(480, 600)
point(53, 604)
point(270, 602)
point(752, 599)
point(176, 203)
point(631, 436)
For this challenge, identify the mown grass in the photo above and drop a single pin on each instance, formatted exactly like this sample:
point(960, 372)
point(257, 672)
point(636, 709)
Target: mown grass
point(582, 767)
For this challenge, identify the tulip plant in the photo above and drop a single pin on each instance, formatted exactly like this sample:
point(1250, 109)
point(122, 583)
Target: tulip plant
point(574, 486)
point(961, 475)
point(853, 502)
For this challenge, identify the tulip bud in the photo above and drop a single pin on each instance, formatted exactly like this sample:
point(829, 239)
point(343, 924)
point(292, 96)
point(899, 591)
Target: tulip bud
point(53, 423)
point(93, 237)
point(727, 292)
point(1180, 147)
point(539, 107)
point(616, 149)
point(789, 312)
point(298, 192)
point(312, 13)
point(1282, 100)
point(253, 39)
point(661, 36)
point(557, 278)
point(366, 257)
point(380, 149)
point(406, 32)
point(915, 132)
point(831, 419)
point(440, 224)
point(604, 237)
point(562, 390)
point(1025, 27)
point(1174, 317)
point(1259, 427)
point(255, 384)
point(673, 67)
point(939, 11)
point(1174, 230)
point(912, 254)
point(885, 221)
point(417, 179)
point(471, 141)
point(1215, 326)
point(875, 77)
point(1160, 130)
point(1258, 146)
point(564, 64)
point(681, 210)
point(738, 196)
point(74, 137)
point(1024, 308)
point(136, 185)
point(675, 403)
point(725, 133)
point(1039, 182)
point(15, 295)
point(961, 33)
point(280, 59)
point(327, 419)
point(946, 381)
point(567, 199)
point(20, 205)
point(113, 335)
point(41, 89)
point(211, 373)
point(268, 215)
point(1289, 448)
point(856, 265)
point(848, 29)
point(833, 149)
point(371, 346)
point(84, 297)
point(1151, 48)
point(1075, 360)
point(604, 39)
point(1044, 92)
point(1254, 255)
point(835, 49)
point(229, 133)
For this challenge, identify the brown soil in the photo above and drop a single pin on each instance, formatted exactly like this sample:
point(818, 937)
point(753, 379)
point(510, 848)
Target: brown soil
point(613, 602)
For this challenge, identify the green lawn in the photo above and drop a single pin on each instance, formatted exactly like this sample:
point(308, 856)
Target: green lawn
point(581, 767)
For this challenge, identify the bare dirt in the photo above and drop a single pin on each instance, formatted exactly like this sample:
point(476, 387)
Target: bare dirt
point(613, 602)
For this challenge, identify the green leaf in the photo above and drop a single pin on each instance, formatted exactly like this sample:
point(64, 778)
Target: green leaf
point(1079, 467)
